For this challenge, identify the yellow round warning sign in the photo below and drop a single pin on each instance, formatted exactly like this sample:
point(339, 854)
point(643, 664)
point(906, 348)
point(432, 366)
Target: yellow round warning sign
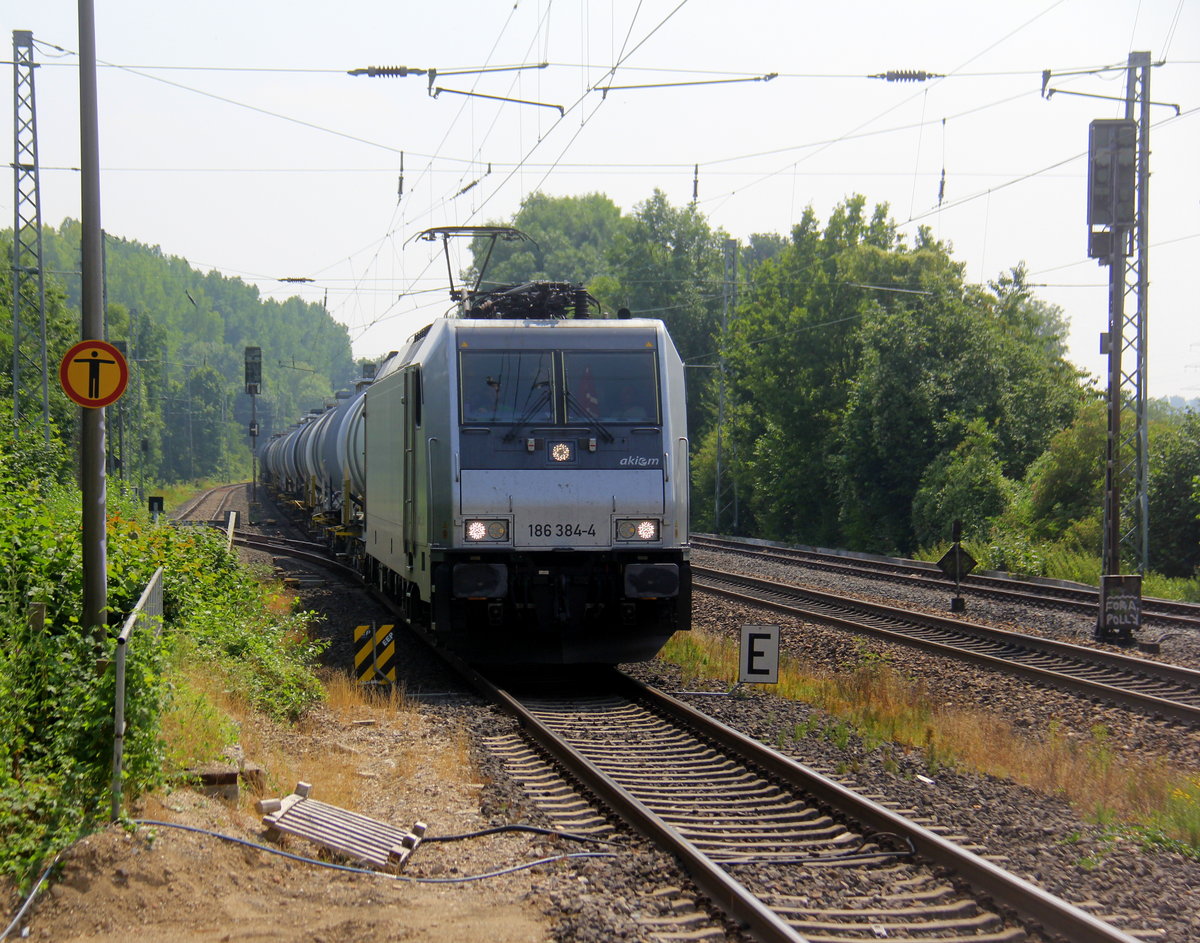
point(93, 374)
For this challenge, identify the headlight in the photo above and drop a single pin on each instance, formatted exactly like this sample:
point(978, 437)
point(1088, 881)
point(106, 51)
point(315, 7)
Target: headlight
point(486, 530)
point(637, 530)
point(562, 452)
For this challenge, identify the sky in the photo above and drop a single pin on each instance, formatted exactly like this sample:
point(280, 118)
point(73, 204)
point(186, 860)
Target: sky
point(232, 135)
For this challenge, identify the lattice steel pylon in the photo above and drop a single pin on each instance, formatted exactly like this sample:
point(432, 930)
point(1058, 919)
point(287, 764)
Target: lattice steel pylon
point(1128, 382)
point(31, 393)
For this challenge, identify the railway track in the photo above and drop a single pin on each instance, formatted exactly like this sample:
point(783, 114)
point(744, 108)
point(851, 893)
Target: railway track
point(206, 507)
point(790, 854)
point(1076, 598)
point(1169, 691)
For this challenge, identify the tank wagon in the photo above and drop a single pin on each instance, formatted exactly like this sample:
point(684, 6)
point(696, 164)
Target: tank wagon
point(515, 477)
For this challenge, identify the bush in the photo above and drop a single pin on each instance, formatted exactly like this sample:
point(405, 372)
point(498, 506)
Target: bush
point(57, 685)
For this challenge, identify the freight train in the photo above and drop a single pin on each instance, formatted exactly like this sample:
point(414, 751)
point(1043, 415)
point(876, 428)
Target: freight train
point(516, 478)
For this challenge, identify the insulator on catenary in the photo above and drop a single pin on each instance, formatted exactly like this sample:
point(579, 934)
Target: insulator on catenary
point(386, 70)
point(907, 75)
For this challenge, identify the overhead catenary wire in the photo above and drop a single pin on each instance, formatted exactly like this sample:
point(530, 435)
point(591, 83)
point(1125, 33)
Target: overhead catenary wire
point(520, 165)
point(886, 111)
point(556, 164)
point(562, 166)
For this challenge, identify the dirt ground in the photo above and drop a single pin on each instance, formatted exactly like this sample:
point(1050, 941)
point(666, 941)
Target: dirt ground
point(160, 883)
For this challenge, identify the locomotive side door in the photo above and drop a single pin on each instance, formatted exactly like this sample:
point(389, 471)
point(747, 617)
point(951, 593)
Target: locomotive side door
point(411, 425)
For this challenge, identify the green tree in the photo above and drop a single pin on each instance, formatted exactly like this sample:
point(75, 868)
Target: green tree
point(176, 320)
point(1065, 484)
point(669, 264)
point(666, 262)
point(570, 234)
point(794, 349)
point(964, 484)
point(763, 246)
point(787, 350)
point(1173, 494)
point(950, 352)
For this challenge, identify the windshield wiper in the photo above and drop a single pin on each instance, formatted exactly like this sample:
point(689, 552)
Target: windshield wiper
point(529, 413)
point(589, 416)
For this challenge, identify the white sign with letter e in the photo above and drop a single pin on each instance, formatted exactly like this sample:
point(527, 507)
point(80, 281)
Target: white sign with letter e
point(759, 658)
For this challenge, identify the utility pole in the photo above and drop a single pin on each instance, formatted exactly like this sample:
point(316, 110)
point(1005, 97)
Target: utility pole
point(93, 482)
point(29, 371)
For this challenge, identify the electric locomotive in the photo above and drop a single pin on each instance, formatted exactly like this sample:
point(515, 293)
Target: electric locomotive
point(527, 485)
point(517, 479)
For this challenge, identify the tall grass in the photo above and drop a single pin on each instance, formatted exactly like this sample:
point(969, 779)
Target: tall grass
point(1055, 561)
point(209, 718)
point(881, 706)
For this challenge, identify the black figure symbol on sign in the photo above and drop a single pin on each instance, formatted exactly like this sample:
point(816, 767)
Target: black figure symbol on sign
point(104, 379)
point(94, 363)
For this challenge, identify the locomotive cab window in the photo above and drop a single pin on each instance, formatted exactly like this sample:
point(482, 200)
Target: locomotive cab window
point(611, 386)
point(506, 386)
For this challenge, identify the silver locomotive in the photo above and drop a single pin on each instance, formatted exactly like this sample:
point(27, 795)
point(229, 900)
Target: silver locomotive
point(518, 484)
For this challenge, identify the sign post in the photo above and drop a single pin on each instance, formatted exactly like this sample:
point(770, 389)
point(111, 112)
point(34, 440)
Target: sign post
point(94, 374)
point(94, 513)
point(957, 563)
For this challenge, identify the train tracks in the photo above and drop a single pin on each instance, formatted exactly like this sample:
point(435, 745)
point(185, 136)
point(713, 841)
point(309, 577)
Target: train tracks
point(206, 507)
point(306, 550)
point(790, 854)
point(1076, 598)
point(1169, 691)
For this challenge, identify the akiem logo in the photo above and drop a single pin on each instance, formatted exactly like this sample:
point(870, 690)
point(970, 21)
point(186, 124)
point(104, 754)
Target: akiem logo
point(638, 461)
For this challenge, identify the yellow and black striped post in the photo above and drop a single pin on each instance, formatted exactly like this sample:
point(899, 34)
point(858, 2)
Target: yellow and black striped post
point(375, 653)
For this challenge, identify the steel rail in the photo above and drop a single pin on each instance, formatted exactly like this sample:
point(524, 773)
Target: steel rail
point(724, 890)
point(319, 558)
point(188, 508)
point(1080, 598)
point(280, 542)
point(1025, 898)
point(710, 580)
point(721, 887)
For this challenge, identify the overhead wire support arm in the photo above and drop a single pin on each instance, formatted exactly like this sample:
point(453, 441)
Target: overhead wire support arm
point(492, 68)
point(604, 90)
point(1049, 92)
point(499, 98)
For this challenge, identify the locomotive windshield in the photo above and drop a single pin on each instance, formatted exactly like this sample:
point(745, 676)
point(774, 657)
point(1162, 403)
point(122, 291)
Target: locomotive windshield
point(611, 386)
point(506, 386)
point(530, 386)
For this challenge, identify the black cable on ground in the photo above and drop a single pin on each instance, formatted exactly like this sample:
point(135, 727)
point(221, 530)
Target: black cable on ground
point(383, 874)
point(532, 829)
point(353, 870)
point(32, 894)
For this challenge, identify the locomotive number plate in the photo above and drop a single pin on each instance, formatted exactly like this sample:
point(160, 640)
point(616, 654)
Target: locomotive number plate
point(562, 530)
